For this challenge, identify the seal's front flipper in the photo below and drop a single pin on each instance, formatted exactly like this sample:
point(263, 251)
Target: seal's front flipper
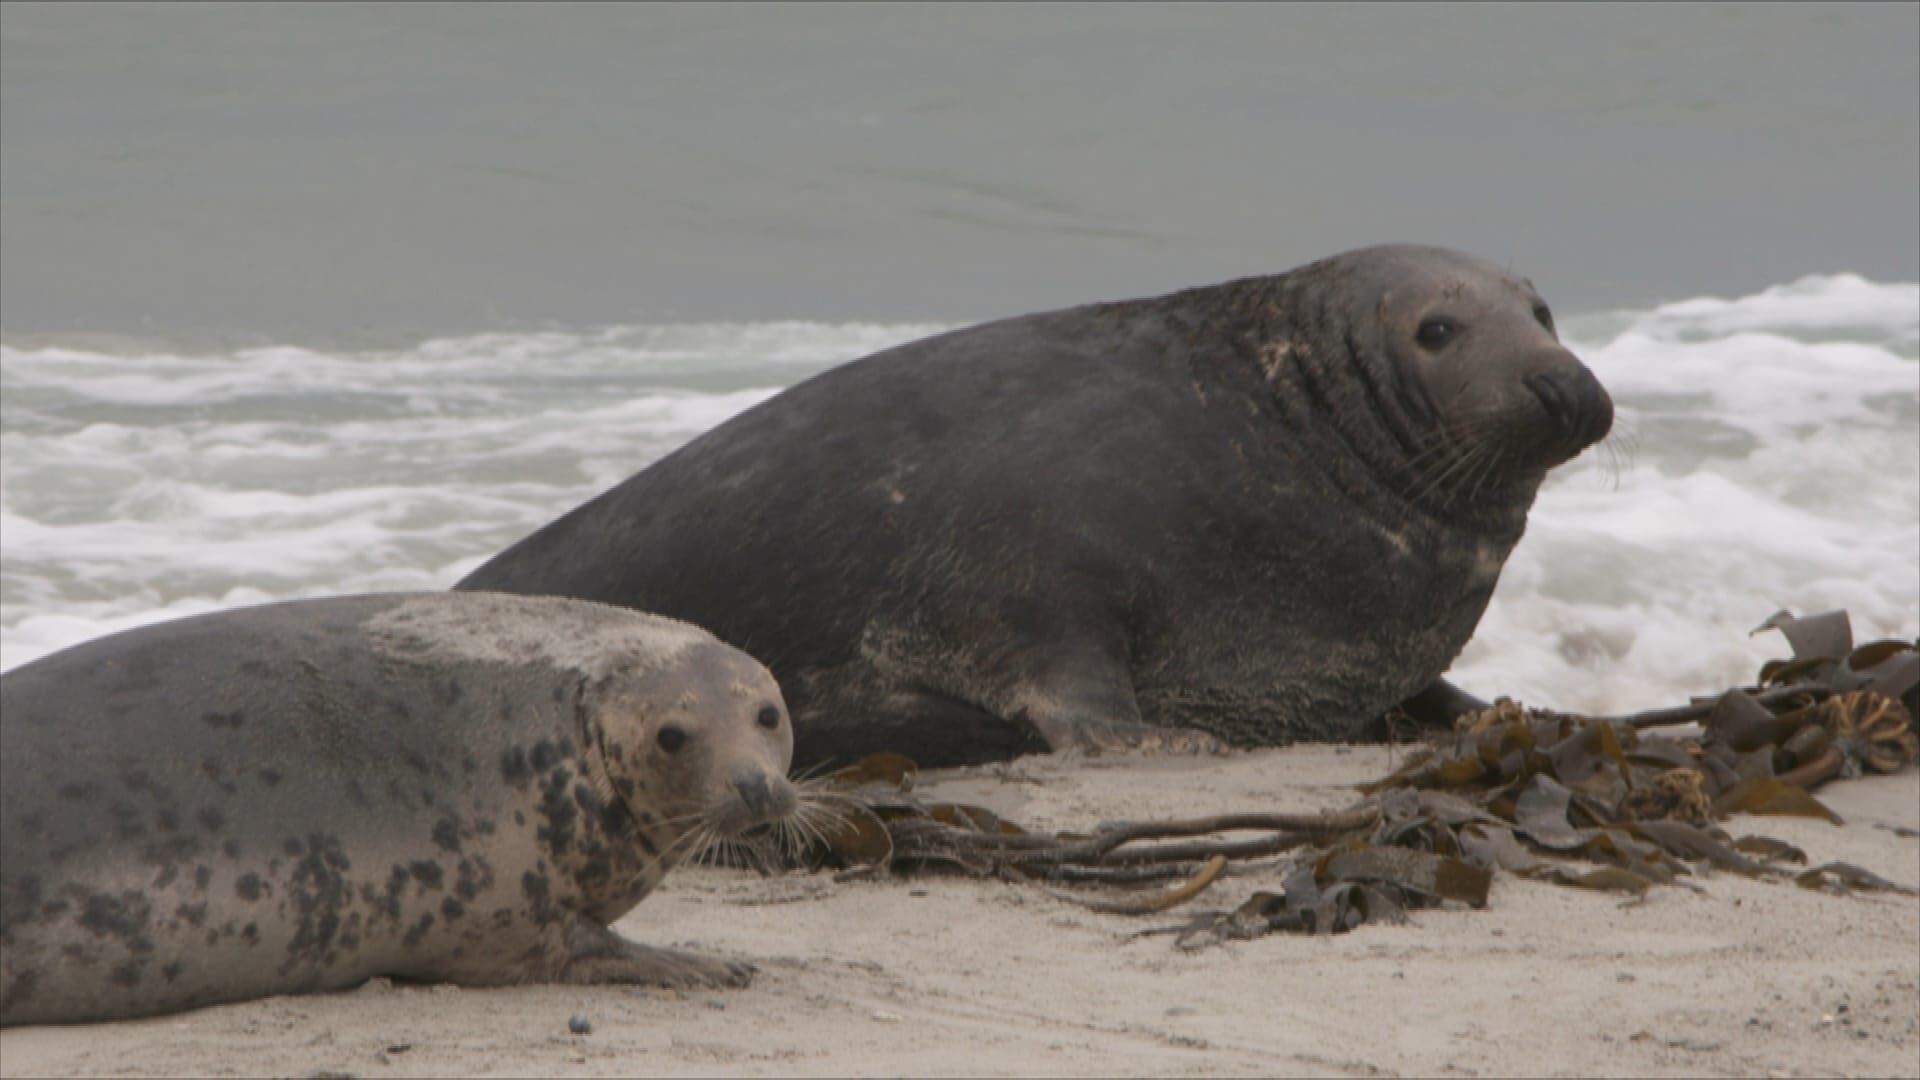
point(1440, 704)
point(1080, 699)
point(1100, 736)
point(597, 955)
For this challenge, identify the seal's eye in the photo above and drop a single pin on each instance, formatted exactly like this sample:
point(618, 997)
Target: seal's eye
point(672, 739)
point(769, 718)
point(1435, 333)
point(1544, 317)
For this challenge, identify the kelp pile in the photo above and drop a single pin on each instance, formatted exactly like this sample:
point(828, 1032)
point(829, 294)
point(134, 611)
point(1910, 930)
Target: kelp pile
point(1609, 803)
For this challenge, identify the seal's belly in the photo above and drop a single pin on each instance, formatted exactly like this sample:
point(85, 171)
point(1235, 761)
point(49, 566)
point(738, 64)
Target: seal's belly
point(1266, 668)
point(277, 911)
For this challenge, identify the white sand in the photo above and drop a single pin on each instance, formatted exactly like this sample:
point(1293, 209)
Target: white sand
point(954, 976)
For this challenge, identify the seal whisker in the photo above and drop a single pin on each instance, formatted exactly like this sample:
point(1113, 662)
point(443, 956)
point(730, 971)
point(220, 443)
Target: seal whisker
point(1492, 468)
point(1459, 465)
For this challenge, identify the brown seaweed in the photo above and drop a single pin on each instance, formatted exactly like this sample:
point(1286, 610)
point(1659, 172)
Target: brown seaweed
point(1608, 803)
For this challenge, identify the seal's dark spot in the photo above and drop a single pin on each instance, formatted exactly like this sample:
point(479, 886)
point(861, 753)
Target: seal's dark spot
point(545, 755)
point(389, 905)
point(224, 719)
point(124, 916)
point(646, 843)
point(77, 790)
point(172, 971)
point(192, 914)
point(19, 899)
point(540, 906)
point(231, 849)
point(172, 849)
point(560, 813)
point(417, 763)
point(320, 895)
point(474, 876)
point(217, 773)
point(165, 878)
point(428, 874)
point(514, 768)
point(451, 909)
point(211, 819)
point(126, 821)
point(613, 817)
point(255, 668)
point(417, 931)
point(519, 818)
point(593, 875)
point(127, 975)
point(293, 847)
point(167, 820)
point(202, 876)
point(270, 776)
point(19, 989)
point(250, 887)
point(446, 835)
point(251, 934)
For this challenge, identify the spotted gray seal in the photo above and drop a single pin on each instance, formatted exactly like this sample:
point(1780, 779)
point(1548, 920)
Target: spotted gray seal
point(459, 787)
point(1262, 511)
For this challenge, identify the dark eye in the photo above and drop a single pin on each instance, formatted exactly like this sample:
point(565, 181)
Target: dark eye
point(672, 739)
point(769, 718)
point(1435, 333)
point(1544, 316)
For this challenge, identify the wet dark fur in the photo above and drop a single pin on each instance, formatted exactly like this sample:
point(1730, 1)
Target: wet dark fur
point(1247, 510)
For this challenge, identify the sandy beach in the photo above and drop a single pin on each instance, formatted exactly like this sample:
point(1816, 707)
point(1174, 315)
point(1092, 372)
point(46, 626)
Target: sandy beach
point(947, 975)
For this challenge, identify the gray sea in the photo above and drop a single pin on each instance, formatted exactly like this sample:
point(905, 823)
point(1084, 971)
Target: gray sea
point(299, 300)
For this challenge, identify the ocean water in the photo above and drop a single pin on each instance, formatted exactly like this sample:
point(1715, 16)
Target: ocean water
point(1767, 456)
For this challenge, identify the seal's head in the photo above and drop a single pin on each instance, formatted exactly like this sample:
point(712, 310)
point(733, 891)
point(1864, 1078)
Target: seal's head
point(699, 744)
point(1482, 346)
point(1443, 370)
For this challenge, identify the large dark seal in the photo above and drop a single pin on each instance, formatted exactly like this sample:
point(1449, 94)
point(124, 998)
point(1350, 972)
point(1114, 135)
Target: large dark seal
point(450, 787)
point(1266, 511)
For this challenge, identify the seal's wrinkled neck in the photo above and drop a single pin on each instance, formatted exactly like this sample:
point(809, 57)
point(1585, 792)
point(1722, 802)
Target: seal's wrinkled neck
point(1344, 410)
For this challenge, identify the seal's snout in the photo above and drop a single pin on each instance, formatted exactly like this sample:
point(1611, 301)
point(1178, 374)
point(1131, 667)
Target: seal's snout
point(765, 798)
point(1576, 404)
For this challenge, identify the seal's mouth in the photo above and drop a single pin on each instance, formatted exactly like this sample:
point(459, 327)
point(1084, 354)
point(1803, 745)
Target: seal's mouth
point(755, 799)
point(1578, 409)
